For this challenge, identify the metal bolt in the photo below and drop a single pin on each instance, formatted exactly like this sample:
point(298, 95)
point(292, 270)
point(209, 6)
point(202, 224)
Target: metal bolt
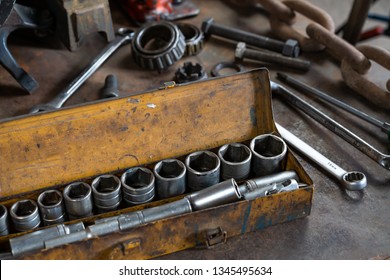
point(290, 48)
point(243, 52)
point(110, 88)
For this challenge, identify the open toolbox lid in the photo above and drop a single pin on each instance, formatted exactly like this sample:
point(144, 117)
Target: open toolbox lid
point(50, 150)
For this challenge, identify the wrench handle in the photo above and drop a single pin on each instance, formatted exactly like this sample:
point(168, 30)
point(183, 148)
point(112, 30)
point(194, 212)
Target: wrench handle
point(335, 127)
point(67, 92)
point(311, 153)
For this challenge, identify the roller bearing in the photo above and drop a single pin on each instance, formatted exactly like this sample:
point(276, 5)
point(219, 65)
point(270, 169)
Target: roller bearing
point(157, 45)
point(193, 37)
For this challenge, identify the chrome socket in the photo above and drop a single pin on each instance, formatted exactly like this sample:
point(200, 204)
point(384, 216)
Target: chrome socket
point(25, 215)
point(107, 195)
point(4, 225)
point(268, 152)
point(203, 170)
point(138, 185)
point(78, 200)
point(219, 194)
point(235, 161)
point(51, 207)
point(170, 177)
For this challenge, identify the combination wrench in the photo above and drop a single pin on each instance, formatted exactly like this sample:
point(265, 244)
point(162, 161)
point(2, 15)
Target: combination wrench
point(124, 36)
point(351, 180)
point(379, 157)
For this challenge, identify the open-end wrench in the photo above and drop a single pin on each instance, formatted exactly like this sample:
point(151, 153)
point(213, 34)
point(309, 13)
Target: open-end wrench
point(350, 137)
point(351, 180)
point(124, 36)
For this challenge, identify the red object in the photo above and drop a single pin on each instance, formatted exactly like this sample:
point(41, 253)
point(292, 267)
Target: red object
point(147, 10)
point(378, 30)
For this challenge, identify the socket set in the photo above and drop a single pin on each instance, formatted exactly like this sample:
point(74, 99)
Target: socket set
point(139, 185)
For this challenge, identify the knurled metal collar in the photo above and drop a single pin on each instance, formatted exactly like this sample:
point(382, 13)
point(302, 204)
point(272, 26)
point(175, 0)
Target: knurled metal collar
point(193, 37)
point(157, 45)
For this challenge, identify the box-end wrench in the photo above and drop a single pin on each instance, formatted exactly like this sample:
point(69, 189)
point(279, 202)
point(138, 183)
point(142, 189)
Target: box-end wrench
point(382, 159)
point(124, 36)
point(351, 180)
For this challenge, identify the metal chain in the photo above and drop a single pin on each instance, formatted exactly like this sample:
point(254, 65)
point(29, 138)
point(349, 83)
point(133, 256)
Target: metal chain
point(355, 62)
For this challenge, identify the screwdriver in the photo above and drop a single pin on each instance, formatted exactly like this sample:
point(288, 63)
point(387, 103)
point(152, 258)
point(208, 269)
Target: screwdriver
point(384, 126)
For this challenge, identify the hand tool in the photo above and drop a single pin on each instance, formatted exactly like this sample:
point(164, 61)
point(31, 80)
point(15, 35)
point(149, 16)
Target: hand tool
point(170, 177)
point(235, 161)
point(268, 152)
point(138, 185)
point(289, 48)
point(351, 180)
point(4, 224)
point(302, 86)
point(382, 159)
point(203, 170)
point(78, 200)
point(219, 194)
point(35, 240)
point(124, 37)
point(51, 207)
point(243, 52)
point(25, 215)
point(274, 188)
point(107, 193)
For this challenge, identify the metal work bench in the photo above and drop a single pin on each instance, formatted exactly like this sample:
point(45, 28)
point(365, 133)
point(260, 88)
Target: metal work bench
point(342, 224)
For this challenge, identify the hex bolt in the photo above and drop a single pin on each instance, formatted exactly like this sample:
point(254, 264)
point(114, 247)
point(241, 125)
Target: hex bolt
point(289, 48)
point(243, 52)
point(110, 88)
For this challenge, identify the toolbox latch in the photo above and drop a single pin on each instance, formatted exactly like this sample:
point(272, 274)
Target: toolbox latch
point(167, 85)
point(215, 237)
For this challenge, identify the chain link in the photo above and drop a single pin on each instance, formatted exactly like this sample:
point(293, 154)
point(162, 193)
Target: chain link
point(355, 62)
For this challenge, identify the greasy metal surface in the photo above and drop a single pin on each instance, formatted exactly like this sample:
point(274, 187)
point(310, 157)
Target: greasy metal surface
point(341, 225)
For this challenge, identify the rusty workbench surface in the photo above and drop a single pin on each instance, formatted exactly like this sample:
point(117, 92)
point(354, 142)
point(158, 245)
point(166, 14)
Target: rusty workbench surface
point(342, 225)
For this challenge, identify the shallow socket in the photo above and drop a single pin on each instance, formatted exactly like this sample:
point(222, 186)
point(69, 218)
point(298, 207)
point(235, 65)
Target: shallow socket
point(78, 200)
point(268, 153)
point(106, 192)
point(51, 206)
point(138, 185)
point(25, 215)
point(203, 169)
point(235, 161)
point(170, 177)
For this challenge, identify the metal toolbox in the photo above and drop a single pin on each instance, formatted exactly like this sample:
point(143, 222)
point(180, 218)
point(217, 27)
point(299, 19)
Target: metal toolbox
point(51, 150)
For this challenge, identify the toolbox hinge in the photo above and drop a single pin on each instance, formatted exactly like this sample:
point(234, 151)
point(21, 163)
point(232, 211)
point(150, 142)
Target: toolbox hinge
point(215, 237)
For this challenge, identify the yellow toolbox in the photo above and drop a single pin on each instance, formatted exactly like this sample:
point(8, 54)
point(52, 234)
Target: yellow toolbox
point(50, 150)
